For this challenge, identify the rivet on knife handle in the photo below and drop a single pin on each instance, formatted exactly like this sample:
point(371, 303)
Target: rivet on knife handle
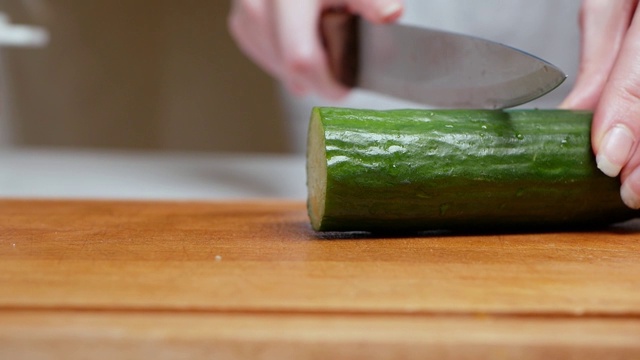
point(339, 32)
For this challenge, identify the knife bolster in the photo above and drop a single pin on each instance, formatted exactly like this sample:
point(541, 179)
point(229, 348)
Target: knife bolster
point(339, 35)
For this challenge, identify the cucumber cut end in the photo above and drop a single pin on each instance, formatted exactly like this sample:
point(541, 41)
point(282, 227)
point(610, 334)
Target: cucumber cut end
point(316, 171)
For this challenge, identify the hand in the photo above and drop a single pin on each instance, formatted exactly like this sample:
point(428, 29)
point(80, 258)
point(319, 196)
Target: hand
point(609, 83)
point(282, 36)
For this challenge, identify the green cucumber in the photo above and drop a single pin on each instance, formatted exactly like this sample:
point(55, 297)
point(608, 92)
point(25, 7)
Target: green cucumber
point(456, 169)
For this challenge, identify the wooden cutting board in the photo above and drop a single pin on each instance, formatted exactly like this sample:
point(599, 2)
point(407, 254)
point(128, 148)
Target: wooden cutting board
point(108, 279)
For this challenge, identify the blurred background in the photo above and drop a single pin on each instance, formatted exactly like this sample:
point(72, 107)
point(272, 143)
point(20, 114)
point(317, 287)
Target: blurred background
point(152, 99)
point(136, 74)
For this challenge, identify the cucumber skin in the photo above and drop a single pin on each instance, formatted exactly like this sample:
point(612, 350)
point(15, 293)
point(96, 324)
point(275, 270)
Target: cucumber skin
point(463, 169)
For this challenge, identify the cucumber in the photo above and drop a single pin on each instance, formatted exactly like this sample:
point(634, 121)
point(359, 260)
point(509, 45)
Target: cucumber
point(456, 169)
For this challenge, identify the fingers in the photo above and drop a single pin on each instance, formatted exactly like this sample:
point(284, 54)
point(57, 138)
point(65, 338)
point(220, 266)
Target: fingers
point(377, 11)
point(609, 82)
point(304, 59)
point(250, 24)
point(630, 190)
point(604, 24)
point(282, 37)
point(303, 56)
point(616, 124)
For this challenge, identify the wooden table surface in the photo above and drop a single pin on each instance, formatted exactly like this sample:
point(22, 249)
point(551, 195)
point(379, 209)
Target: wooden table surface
point(127, 279)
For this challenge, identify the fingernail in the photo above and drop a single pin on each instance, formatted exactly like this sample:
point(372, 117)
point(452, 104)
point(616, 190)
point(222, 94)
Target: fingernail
point(628, 195)
point(614, 150)
point(390, 10)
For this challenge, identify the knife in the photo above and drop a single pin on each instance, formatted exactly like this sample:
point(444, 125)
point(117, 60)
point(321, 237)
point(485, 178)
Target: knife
point(432, 67)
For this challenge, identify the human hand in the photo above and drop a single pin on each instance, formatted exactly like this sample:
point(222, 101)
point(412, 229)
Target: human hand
point(609, 83)
point(282, 36)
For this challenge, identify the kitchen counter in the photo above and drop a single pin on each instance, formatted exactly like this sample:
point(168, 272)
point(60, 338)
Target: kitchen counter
point(60, 173)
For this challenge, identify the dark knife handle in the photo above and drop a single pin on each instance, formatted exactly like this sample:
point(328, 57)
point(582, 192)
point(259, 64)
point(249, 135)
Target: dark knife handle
point(340, 38)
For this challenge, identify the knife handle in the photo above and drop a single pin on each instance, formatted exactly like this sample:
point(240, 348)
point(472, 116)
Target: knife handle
point(339, 34)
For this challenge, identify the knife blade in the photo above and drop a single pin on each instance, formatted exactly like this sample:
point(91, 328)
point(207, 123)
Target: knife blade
point(432, 67)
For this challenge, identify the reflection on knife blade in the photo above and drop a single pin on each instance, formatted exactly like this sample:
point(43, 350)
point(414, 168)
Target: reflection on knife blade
point(433, 67)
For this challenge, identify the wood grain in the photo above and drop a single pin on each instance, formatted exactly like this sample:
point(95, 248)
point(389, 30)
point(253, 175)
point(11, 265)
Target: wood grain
point(142, 335)
point(137, 277)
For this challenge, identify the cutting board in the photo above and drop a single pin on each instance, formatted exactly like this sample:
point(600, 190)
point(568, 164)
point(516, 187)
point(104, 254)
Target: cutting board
point(126, 279)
